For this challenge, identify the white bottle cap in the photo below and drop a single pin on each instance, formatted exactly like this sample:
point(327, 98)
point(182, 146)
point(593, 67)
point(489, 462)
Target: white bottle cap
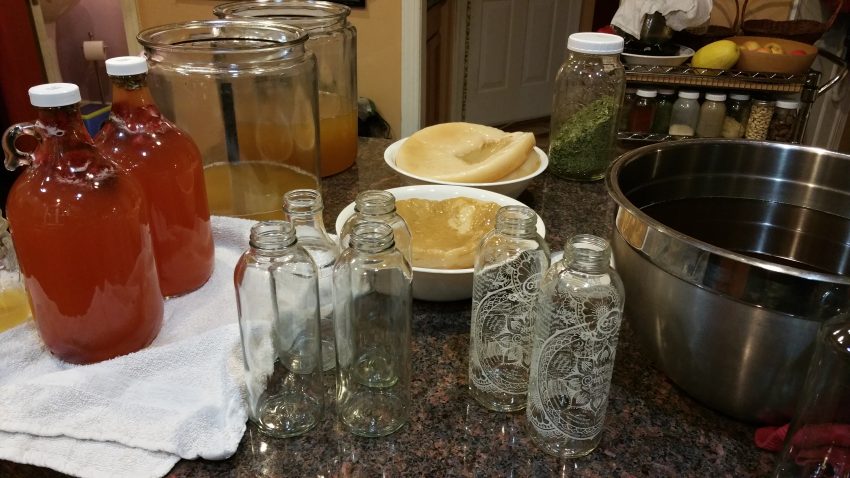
point(689, 95)
point(787, 104)
point(595, 43)
point(126, 66)
point(739, 96)
point(715, 96)
point(51, 95)
point(647, 93)
point(666, 91)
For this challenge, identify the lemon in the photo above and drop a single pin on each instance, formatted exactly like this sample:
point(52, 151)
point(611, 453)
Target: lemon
point(719, 55)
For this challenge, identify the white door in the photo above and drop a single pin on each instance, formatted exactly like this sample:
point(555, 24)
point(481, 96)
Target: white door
point(515, 49)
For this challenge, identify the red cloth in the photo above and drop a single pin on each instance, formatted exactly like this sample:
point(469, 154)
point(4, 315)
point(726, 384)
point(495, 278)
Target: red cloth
point(771, 438)
point(812, 444)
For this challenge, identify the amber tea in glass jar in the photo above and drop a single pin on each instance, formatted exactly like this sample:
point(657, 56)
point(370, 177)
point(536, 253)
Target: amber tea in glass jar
point(334, 42)
point(245, 91)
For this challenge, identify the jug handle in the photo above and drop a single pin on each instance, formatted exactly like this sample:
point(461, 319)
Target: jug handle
point(14, 156)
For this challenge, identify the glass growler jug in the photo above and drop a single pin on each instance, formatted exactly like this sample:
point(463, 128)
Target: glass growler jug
point(245, 91)
point(82, 234)
point(167, 164)
point(334, 42)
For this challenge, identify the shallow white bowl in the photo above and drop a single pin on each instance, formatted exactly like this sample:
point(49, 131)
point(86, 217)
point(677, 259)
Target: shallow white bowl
point(512, 187)
point(672, 60)
point(442, 284)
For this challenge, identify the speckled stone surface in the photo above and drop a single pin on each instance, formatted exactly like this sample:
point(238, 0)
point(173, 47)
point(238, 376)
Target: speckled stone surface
point(652, 428)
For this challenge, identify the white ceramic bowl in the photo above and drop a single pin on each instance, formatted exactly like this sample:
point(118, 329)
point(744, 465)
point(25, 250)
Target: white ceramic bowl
point(512, 187)
point(442, 284)
point(672, 60)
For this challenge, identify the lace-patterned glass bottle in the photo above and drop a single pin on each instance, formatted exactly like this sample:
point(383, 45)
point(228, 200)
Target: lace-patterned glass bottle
point(509, 263)
point(576, 320)
point(303, 208)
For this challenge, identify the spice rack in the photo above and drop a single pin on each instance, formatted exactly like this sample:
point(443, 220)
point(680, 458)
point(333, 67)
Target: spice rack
point(685, 76)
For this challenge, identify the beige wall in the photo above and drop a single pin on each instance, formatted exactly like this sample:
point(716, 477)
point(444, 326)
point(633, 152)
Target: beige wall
point(378, 45)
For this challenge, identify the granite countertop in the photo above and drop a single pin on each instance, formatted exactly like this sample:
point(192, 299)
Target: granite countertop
point(652, 428)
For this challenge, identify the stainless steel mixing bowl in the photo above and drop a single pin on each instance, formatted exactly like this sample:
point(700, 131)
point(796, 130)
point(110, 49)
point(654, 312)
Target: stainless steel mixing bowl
point(732, 253)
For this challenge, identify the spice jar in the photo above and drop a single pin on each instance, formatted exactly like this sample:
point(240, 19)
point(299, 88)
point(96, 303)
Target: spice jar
point(643, 111)
point(509, 262)
point(663, 111)
point(737, 113)
point(588, 94)
point(246, 93)
point(333, 40)
point(685, 114)
point(783, 122)
point(761, 111)
point(712, 113)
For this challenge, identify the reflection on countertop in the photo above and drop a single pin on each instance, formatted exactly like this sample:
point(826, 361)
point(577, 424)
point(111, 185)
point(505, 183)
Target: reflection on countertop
point(651, 429)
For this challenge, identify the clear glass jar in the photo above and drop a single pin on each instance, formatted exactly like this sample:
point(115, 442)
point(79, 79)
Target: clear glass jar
point(14, 308)
point(81, 228)
point(588, 93)
point(334, 42)
point(685, 115)
point(818, 441)
point(303, 209)
point(663, 111)
point(737, 114)
point(509, 262)
point(783, 122)
point(246, 93)
point(761, 112)
point(378, 206)
point(168, 165)
point(577, 319)
point(276, 298)
point(643, 111)
point(712, 114)
point(372, 313)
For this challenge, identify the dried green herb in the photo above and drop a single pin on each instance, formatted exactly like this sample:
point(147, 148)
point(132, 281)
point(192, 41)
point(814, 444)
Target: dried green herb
point(581, 149)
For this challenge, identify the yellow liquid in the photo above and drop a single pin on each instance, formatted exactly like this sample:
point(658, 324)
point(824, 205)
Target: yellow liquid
point(252, 189)
point(14, 308)
point(337, 134)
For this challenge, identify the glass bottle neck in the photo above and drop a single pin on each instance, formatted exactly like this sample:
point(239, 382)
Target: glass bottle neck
point(374, 203)
point(132, 100)
point(589, 254)
point(516, 221)
point(271, 238)
point(303, 208)
point(63, 136)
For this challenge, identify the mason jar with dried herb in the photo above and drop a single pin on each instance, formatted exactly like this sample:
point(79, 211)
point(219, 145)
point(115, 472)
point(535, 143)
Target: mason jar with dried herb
point(589, 90)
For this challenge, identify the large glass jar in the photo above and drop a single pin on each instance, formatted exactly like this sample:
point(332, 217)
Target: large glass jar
point(588, 94)
point(82, 234)
point(14, 308)
point(334, 42)
point(168, 166)
point(246, 93)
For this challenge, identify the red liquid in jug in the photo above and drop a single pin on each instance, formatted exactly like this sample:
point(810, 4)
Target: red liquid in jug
point(81, 232)
point(168, 165)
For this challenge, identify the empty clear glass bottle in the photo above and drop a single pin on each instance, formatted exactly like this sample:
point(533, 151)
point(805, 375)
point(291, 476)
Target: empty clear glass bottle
point(378, 206)
point(277, 300)
point(577, 317)
point(509, 263)
point(303, 209)
point(372, 313)
point(818, 440)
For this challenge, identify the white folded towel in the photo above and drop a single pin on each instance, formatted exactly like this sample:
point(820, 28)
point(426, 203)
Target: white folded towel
point(135, 415)
point(679, 14)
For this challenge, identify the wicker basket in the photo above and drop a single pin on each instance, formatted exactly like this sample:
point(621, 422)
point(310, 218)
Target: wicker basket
point(805, 31)
point(698, 39)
